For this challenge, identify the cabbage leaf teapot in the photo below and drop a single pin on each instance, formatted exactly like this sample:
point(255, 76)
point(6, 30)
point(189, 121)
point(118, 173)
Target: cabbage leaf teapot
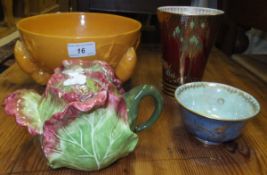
point(85, 119)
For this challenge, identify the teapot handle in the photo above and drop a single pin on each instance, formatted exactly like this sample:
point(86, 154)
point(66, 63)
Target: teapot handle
point(134, 97)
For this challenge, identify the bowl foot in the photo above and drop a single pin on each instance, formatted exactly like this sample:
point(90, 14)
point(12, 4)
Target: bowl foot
point(206, 142)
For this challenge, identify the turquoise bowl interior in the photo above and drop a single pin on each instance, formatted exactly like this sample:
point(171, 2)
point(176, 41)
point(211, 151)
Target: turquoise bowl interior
point(214, 112)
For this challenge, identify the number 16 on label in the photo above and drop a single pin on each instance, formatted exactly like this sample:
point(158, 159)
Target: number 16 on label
point(76, 50)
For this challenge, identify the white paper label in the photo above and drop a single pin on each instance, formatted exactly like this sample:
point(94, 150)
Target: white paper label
point(76, 50)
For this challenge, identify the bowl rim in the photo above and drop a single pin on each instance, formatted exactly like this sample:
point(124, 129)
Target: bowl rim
point(163, 9)
point(248, 96)
point(136, 29)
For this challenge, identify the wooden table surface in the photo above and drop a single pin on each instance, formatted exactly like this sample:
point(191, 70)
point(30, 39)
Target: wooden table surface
point(165, 148)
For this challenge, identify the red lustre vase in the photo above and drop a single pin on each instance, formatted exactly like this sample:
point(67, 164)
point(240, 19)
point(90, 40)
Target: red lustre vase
point(187, 36)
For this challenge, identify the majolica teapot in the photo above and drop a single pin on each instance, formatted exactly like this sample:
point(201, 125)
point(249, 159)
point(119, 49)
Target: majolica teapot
point(85, 118)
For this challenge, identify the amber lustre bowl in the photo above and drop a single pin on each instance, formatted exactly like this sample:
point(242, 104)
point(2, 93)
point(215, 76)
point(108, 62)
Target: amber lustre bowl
point(48, 39)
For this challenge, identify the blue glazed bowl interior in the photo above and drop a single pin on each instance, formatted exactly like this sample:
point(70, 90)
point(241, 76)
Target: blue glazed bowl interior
point(217, 101)
point(215, 113)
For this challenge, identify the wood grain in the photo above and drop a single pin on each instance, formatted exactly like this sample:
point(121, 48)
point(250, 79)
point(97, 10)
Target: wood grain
point(166, 148)
point(254, 63)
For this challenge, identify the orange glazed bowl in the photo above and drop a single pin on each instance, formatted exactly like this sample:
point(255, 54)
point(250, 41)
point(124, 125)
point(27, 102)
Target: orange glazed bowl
point(48, 39)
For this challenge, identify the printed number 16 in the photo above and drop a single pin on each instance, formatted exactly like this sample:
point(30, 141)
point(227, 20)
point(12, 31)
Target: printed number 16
point(81, 50)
